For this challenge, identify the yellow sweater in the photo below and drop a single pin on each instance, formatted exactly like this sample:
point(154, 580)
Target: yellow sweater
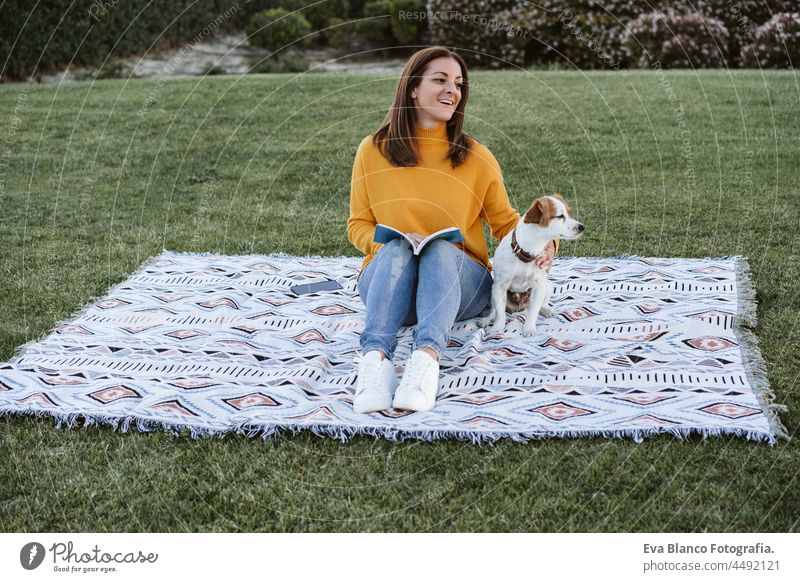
point(430, 196)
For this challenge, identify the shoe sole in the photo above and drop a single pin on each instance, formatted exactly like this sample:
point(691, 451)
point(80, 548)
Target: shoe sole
point(366, 405)
point(412, 406)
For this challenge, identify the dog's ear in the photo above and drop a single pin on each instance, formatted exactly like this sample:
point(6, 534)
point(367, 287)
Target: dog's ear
point(540, 213)
point(564, 202)
point(534, 214)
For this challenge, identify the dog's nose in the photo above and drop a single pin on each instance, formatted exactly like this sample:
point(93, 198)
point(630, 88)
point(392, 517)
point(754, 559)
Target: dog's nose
point(580, 227)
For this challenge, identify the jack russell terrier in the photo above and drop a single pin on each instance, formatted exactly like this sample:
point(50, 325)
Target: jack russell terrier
point(518, 282)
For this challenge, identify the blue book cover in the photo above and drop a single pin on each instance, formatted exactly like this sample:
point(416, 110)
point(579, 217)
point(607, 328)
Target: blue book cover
point(385, 234)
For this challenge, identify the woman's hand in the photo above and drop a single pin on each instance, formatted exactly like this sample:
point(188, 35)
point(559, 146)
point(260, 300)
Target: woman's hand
point(544, 260)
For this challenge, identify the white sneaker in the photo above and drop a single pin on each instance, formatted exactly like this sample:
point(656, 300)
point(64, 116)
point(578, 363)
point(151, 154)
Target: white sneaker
point(420, 383)
point(375, 384)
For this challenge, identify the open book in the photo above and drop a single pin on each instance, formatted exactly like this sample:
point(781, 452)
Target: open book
point(385, 234)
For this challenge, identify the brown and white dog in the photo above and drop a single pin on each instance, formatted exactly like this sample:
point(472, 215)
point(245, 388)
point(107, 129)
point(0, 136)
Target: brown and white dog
point(517, 279)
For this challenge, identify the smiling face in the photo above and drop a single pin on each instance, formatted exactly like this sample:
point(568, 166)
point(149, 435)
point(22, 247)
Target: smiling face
point(438, 93)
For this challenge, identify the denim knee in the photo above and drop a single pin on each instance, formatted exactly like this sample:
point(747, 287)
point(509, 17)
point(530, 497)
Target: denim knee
point(397, 248)
point(443, 248)
point(396, 252)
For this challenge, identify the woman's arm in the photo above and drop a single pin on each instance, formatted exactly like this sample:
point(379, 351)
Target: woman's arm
point(502, 218)
point(361, 223)
point(497, 209)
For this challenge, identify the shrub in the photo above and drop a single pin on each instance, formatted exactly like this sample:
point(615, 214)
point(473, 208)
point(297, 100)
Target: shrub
point(404, 29)
point(488, 33)
point(776, 43)
point(316, 13)
point(677, 40)
point(584, 34)
point(277, 28)
point(338, 34)
point(353, 8)
point(741, 18)
point(376, 30)
point(45, 36)
point(592, 34)
point(589, 33)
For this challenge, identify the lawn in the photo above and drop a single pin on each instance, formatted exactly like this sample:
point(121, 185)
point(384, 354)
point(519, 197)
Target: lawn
point(97, 177)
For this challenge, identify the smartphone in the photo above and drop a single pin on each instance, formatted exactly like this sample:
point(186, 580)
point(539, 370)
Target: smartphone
point(327, 285)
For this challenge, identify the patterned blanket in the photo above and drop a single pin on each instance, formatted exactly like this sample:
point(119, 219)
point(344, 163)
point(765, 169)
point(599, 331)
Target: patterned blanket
point(218, 344)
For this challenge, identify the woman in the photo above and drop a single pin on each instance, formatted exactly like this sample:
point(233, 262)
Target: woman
point(419, 174)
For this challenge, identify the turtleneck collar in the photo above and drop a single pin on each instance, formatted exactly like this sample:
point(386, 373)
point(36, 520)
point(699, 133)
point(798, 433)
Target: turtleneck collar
point(436, 137)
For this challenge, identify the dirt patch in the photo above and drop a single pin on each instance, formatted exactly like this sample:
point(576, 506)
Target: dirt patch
point(229, 55)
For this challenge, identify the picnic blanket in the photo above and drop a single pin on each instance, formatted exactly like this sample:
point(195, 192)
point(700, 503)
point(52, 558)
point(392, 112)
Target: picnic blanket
point(215, 344)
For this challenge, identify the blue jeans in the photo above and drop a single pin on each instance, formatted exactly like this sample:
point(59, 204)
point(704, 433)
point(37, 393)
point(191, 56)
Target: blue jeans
point(435, 289)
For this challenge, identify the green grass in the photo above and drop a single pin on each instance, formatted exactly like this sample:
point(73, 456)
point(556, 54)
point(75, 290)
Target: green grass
point(261, 164)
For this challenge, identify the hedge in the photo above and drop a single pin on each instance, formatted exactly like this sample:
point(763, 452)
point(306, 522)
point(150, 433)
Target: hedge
point(491, 33)
point(92, 32)
point(677, 40)
point(277, 28)
point(595, 34)
point(776, 43)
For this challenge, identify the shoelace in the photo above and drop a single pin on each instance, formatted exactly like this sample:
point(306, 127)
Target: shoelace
point(418, 372)
point(368, 377)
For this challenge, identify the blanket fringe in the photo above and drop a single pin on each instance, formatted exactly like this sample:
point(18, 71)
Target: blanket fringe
point(345, 433)
point(753, 363)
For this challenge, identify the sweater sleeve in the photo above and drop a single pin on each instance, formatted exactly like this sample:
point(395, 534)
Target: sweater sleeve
point(497, 209)
point(361, 223)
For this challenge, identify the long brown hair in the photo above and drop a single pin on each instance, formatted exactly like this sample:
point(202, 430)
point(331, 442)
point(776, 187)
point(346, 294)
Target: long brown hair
point(396, 136)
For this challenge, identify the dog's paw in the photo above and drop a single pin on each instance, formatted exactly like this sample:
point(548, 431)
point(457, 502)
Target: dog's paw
point(485, 321)
point(497, 327)
point(547, 312)
point(528, 330)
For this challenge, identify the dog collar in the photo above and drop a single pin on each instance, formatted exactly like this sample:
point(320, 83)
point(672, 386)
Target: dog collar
point(521, 254)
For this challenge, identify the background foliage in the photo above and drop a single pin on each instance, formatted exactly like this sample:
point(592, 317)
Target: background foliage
point(589, 34)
